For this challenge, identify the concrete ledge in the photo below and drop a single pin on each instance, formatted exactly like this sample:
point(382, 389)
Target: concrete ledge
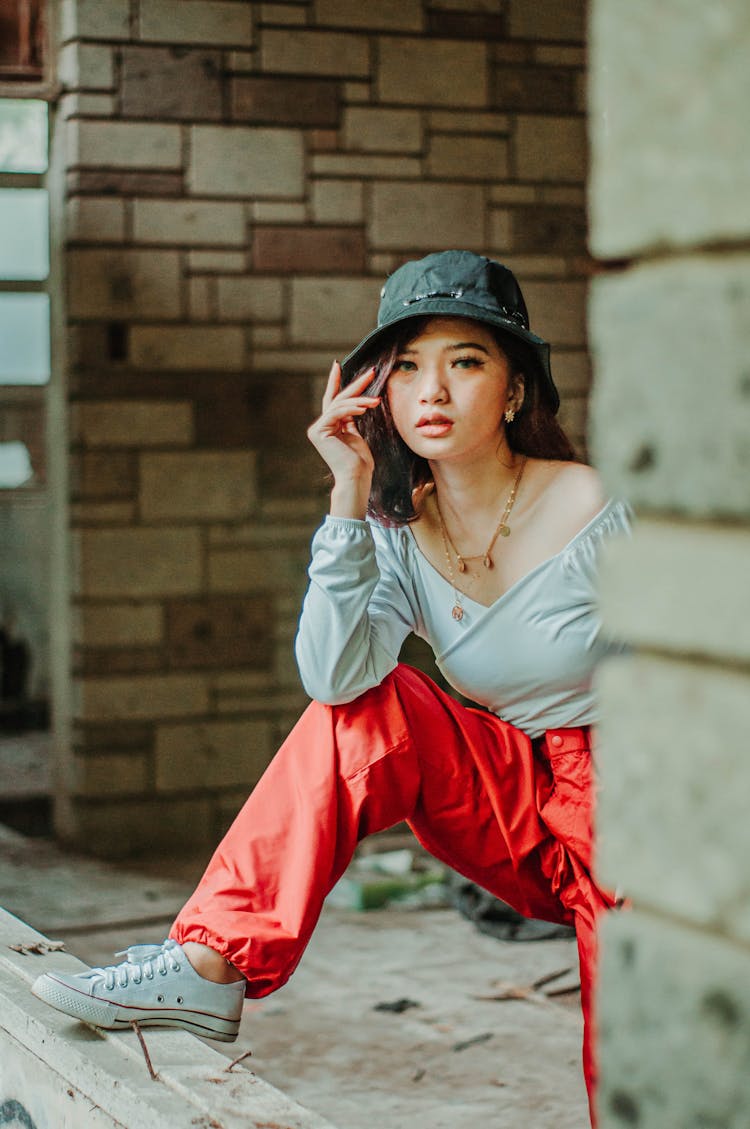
point(57, 1073)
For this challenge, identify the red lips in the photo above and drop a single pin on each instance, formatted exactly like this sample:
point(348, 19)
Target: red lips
point(433, 420)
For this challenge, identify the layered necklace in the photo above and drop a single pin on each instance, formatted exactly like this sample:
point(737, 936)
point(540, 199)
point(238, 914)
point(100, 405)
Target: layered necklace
point(502, 530)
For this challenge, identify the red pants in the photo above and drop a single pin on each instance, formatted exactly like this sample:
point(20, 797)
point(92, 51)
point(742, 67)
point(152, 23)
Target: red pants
point(512, 814)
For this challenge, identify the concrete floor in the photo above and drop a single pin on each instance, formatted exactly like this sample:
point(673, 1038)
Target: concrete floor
point(453, 1061)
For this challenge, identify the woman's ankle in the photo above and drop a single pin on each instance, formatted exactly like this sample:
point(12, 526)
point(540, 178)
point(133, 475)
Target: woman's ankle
point(211, 965)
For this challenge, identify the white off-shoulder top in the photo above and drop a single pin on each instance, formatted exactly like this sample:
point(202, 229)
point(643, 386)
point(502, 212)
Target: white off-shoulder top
point(529, 657)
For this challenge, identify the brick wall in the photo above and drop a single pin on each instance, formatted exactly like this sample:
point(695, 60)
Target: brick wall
point(239, 179)
point(670, 216)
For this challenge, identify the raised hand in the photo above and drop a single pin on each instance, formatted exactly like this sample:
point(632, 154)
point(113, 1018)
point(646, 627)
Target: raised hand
point(335, 437)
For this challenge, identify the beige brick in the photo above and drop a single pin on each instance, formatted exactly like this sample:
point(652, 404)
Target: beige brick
point(332, 310)
point(386, 15)
point(132, 699)
point(257, 570)
point(307, 250)
point(669, 141)
point(92, 19)
point(373, 129)
point(411, 216)
point(197, 21)
point(119, 625)
point(356, 92)
point(573, 418)
point(267, 337)
point(138, 562)
point(164, 83)
point(562, 194)
point(187, 347)
point(315, 52)
point(548, 19)
point(537, 266)
point(673, 1025)
point(337, 201)
point(550, 148)
point(460, 121)
point(188, 222)
point(513, 193)
point(500, 229)
point(250, 299)
point(217, 262)
point(702, 568)
point(123, 283)
point(239, 683)
point(433, 72)
point(343, 164)
point(297, 360)
point(95, 219)
point(200, 485)
point(275, 211)
point(559, 55)
point(242, 161)
point(572, 372)
point(202, 303)
point(241, 62)
point(86, 65)
point(142, 145)
point(118, 828)
point(382, 264)
point(217, 754)
point(557, 311)
point(133, 423)
point(675, 775)
point(102, 513)
point(283, 14)
point(469, 5)
point(471, 158)
point(671, 341)
point(83, 104)
point(111, 775)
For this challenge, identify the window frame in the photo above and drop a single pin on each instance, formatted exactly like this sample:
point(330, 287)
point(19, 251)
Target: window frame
point(35, 396)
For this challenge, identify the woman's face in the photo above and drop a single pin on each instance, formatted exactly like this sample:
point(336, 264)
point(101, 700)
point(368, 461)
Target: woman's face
point(449, 390)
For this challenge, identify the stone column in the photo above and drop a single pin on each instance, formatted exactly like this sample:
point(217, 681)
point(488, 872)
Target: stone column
point(670, 322)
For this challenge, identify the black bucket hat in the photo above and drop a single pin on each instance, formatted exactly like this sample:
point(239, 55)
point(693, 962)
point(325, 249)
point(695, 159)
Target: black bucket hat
point(456, 284)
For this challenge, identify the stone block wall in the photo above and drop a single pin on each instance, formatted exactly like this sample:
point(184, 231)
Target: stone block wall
point(239, 178)
point(670, 194)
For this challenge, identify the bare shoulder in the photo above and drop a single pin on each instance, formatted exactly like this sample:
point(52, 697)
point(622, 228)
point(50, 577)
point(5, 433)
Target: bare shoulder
point(566, 495)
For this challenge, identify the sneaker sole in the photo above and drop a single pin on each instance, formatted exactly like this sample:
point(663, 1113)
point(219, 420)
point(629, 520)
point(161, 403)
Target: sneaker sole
point(117, 1017)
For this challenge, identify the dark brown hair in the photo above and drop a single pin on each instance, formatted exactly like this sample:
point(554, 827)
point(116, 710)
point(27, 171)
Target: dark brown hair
point(399, 472)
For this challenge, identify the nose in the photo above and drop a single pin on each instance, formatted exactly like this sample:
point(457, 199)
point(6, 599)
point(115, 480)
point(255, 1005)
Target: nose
point(432, 385)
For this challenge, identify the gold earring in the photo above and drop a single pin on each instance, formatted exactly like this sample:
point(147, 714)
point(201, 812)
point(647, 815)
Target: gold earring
point(510, 415)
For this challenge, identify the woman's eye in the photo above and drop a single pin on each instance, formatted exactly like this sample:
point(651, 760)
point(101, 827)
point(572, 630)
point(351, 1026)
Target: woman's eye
point(467, 362)
point(403, 365)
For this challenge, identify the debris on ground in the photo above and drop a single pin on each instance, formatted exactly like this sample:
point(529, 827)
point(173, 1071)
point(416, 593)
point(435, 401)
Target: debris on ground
point(397, 1006)
point(38, 948)
point(545, 987)
point(407, 878)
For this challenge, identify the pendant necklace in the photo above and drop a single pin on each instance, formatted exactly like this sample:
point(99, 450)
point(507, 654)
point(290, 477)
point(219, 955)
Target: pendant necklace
point(502, 530)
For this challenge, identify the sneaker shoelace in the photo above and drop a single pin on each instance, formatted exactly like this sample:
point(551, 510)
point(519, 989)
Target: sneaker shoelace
point(142, 960)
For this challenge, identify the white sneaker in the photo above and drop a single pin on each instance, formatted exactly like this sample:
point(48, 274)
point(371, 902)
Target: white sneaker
point(155, 985)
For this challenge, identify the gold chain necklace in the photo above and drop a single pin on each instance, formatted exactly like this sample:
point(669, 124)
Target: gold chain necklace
point(502, 530)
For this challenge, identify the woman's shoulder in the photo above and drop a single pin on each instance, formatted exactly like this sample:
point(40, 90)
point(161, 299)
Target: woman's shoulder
point(566, 494)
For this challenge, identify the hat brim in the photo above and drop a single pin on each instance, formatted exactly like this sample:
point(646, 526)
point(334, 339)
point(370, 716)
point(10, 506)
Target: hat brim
point(452, 307)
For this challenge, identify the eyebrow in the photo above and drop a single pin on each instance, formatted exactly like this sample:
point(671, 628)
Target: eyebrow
point(458, 345)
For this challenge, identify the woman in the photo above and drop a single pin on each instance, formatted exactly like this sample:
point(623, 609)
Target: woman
point(482, 537)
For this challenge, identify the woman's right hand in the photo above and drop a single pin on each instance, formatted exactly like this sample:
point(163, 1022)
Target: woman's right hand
point(335, 437)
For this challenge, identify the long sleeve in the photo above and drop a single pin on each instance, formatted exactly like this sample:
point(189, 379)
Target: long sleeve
point(355, 615)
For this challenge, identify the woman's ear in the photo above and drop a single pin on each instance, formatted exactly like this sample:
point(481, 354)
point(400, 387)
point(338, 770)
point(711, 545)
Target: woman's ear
point(518, 389)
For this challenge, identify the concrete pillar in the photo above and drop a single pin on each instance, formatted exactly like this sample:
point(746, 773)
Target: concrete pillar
point(670, 320)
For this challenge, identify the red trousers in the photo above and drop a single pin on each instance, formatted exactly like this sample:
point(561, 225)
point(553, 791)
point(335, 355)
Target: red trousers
point(512, 814)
